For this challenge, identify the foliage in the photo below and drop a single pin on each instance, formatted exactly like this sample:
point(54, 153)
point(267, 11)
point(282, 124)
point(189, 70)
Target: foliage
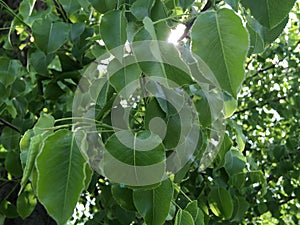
point(47, 48)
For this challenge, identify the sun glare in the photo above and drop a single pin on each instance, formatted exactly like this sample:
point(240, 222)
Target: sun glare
point(176, 34)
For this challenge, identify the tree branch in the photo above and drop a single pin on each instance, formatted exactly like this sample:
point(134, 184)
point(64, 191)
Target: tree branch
point(190, 23)
point(261, 105)
point(5, 123)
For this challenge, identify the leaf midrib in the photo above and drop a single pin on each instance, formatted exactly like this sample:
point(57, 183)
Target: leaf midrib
point(68, 175)
point(223, 50)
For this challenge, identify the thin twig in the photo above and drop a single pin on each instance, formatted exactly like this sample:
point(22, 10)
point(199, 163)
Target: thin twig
point(9, 125)
point(190, 23)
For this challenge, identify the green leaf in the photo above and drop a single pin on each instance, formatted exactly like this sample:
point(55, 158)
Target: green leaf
point(123, 196)
point(185, 3)
point(183, 217)
point(269, 35)
point(53, 91)
point(219, 38)
point(26, 202)
point(8, 209)
point(230, 105)
point(256, 40)
point(40, 61)
point(70, 6)
point(24, 146)
point(113, 29)
point(45, 121)
point(195, 212)
point(240, 208)
point(238, 180)
point(31, 156)
point(240, 137)
point(13, 163)
point(9, 70)
point(257, 177)
point(269, 13)
point(155, 118)
point(148, 24)
point(158, 11)
point(154, 205)
point(76, 31)
point(160, 59)
point(220, 202)
point(9, 138)
point(235, 162)
point(103, 6)
point(30, 145)
point(120, 75)
point(225, 147)
point(130, 156)
point(61, 175)
point(142, 8)
point(49, 36)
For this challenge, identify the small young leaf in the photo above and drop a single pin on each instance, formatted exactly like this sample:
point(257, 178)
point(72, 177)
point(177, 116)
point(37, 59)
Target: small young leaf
point(26, 202)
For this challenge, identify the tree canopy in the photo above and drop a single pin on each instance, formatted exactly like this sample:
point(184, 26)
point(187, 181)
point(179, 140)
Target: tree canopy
point(103, 121)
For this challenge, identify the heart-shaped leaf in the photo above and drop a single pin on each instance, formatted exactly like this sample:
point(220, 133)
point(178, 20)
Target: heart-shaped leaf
point(61, 175)
point(49, 36)
point(219, 38)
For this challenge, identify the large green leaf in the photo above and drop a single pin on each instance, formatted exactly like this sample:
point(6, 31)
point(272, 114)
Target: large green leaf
point(49, 36)
point(9, 70)
point(61, 175)
point(154, 205)
point(220, 39)
point(220, 202)
point(269, 13)
point(113, 29)
point(134, 159)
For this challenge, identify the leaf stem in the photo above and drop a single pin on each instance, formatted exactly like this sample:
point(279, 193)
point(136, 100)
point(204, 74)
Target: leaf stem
point(178, 206)
point(187, 197)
